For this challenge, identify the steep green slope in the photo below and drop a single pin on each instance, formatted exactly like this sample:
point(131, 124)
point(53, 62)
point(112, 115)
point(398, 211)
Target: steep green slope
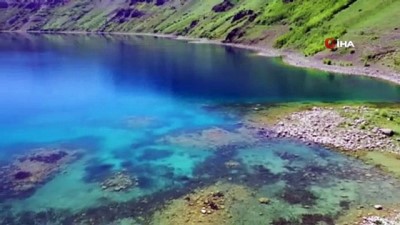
point(291, 24)
point(374, 27)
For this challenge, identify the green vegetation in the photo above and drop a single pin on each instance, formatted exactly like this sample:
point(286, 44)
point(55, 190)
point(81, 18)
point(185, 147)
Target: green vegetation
point(386, 161)
point(273, 113)
point(302, 25)
point(328, 61)
point(308, 22)
point(380, 115)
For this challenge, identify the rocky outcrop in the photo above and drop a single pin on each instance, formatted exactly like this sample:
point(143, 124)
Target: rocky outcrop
point(234, 34)
point(224, 6)
point(192, 25)
point(125, 14)
point(210, 139)
point(241, 14)
point(156, 2)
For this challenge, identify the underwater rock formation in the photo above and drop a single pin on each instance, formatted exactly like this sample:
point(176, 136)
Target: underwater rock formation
point(224, 6)
point(263, 200)
point(232, 164)
point(211, 139)
point(210, 205)
point(294, 195)
point(32, 169)
point(119, 181)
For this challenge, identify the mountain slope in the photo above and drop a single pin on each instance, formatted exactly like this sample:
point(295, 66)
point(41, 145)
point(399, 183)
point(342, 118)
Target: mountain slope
point(291, 24)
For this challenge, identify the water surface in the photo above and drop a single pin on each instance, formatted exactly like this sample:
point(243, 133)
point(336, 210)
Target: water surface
point(143, 105)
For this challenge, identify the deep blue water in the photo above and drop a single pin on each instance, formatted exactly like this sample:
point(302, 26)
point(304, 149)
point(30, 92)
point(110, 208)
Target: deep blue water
point(143, 105)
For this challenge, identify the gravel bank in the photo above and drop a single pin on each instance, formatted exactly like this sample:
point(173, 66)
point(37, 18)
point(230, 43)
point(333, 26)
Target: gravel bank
point(328, 127)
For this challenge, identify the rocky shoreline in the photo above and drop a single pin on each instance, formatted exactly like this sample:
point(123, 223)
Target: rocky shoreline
point(346, 128)
point(373, 220)
point(328, 127)
point(296, 59)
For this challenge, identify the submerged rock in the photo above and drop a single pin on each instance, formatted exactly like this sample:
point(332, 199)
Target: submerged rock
point(27, 171)
point(296, 195)
point(211, 139)
point(119, 181)
point(263, 200)
point(49, 157)
point(232, 164)
point(21, 175)
point(224, 6)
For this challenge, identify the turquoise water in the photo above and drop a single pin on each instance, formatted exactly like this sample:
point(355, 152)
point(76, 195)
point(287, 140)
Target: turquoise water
point(151, 107)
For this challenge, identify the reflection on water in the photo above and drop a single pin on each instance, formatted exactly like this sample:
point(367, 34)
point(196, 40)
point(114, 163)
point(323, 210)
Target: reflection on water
point(142, 110)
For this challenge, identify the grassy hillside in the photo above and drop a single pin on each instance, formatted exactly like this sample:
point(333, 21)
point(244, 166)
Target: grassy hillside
point(290, 24)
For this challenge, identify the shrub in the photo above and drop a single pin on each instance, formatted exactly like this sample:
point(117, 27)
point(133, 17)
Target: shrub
point(383, 113)
point(327, 61)
point(396, 61)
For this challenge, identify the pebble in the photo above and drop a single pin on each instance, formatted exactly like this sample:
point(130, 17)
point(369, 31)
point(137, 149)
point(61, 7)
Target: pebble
point(263, 200)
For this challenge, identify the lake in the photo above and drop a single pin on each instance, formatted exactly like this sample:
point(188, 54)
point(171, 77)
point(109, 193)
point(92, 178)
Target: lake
point(108, 129)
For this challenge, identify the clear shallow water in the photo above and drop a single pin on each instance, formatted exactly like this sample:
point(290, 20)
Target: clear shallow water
point(143, 105)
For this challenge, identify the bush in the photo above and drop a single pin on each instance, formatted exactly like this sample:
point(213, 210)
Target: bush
point(383, 113)
point(396, 61)
point(327, 61)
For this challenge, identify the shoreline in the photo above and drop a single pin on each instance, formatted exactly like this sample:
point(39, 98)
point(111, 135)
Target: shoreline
point(372, 137)
point(288, 57)
point(297, 60)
